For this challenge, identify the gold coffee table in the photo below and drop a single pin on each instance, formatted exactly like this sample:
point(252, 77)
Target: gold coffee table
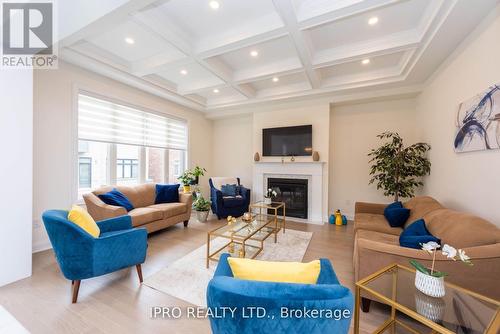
point(243, 238)
point(280, 220)
point(460, 310)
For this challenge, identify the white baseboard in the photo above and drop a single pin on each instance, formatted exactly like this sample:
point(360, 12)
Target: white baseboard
point(41, 245)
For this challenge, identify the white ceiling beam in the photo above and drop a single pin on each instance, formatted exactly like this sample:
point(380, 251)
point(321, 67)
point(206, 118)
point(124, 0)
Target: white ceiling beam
point(286, 11)
point(153, 22)
point(243, 43)
point(343, 13)
point(81, 60)
point(107, 21)
point(373, 48)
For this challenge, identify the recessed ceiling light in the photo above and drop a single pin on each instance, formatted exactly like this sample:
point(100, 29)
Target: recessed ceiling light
point(276, 79)
point(373, 20)
point(365, 61)
point(184, 72)
point(254, 53)
point(129, 40)
point(216, 91)
point(214, 5)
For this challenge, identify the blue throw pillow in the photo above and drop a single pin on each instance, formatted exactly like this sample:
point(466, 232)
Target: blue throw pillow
point(415, 235)
point(396, 214)
point(229, 190)
point(115, 197)
point(167, 193)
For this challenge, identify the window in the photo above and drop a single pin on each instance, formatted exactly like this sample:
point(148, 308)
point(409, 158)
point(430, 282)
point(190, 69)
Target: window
point(120, 145)
point(155, 165)
point(93, 165)
point(85, 172)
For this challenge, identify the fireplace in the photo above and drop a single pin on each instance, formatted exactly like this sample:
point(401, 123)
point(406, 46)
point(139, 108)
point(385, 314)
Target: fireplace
point(293, 192)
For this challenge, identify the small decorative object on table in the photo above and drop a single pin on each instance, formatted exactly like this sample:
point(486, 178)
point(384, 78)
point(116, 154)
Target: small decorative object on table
point(270, 193)
point(247, 216)
point(292, 159)
point(231, 220)
point(430, 281)
point(202, 208)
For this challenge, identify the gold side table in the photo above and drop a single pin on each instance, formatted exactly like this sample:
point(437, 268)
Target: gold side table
point(279, 220)
point(459, 310)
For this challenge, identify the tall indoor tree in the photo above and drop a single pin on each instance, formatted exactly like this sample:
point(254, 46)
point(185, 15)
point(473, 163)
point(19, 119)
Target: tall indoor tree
point(397, 169)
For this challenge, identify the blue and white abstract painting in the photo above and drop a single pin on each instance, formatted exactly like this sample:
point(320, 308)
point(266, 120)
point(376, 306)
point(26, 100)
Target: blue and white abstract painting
point(478, 122)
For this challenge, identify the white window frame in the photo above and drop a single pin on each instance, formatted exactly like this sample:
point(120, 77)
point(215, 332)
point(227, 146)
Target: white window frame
point(111, 174)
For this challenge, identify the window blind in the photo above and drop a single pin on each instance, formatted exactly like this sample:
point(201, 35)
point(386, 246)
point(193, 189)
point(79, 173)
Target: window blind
point(101, 120)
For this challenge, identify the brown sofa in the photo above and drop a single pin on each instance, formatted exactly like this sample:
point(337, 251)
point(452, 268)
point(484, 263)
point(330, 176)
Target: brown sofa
point(376, 244)
point(146, 213)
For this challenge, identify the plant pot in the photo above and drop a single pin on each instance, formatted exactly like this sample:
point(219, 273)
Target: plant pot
point(267, 200)
point(186, 188)
point(429, 285)
point(202, 216)
point(195, 181)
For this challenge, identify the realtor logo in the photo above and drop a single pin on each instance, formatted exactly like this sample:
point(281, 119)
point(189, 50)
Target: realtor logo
point(28, 35)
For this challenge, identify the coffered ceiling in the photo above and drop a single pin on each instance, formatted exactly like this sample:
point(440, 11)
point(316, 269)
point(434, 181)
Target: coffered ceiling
point(210, 55)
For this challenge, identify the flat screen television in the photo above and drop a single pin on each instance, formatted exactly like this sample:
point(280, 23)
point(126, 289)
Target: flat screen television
point(286, 141)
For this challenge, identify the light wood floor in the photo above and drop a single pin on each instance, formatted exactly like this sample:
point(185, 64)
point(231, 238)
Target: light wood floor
point(116, 303)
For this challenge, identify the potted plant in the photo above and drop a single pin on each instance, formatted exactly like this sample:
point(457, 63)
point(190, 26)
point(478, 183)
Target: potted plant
point(186, 179)
point(202, 208)
point(197, 172)
point(397, 169)
point(431, 281)
point(270, 193)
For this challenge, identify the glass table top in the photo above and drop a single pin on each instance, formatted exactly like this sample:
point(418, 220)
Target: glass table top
point(273, 205)
point(460, 310)
point(256, 228)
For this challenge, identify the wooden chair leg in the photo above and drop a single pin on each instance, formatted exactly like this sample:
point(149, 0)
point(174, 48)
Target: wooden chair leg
point(139, 272)
point(365, 304)
point(76, 288)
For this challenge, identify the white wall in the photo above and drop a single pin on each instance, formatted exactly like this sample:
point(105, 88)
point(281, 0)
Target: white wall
point(55, 132)
point(232, 148)
point(16, 171)
point(250, 123)
point(465, 181)
point(353, 131)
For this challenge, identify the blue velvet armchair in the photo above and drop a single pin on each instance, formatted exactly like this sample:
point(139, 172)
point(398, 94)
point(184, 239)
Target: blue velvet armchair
point(224, 206)
point(278, 300)
point(81, 256)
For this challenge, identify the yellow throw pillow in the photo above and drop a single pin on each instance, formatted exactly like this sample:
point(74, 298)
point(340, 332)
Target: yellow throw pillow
point(81, 217)
point(286, 272)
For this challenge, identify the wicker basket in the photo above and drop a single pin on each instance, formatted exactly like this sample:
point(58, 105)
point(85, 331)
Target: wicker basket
point(429, 285)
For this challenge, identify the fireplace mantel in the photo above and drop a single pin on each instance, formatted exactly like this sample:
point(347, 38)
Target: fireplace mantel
point(311, 170)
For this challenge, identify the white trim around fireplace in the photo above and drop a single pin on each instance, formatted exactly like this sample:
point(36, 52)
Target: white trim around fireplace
point(312, 171)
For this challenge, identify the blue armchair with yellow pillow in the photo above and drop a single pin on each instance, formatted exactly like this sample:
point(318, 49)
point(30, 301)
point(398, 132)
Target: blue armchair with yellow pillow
point(272, 297)
point(85, 248)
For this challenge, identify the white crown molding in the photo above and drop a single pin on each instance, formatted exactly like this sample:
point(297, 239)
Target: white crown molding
point(146, 73)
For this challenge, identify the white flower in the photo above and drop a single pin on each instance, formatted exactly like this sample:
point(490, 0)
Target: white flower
point(269, 190)
point(449, 251)
point(430, 246)
point(462, 256)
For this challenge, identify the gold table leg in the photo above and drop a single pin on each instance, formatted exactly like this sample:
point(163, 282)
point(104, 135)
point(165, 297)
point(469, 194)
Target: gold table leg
point(284, 219)
point(208, 249)
point(356, 310)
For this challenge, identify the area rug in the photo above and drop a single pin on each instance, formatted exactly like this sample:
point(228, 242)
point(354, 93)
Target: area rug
point(187, 278)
